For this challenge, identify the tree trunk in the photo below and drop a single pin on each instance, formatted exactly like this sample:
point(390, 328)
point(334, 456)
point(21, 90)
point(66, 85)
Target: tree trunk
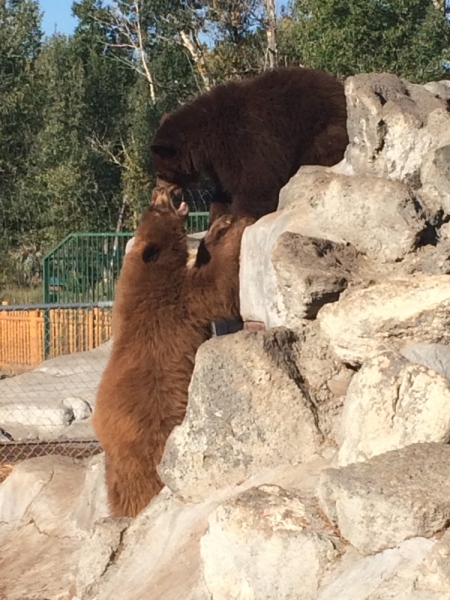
point(271, 33)
point(197, 56)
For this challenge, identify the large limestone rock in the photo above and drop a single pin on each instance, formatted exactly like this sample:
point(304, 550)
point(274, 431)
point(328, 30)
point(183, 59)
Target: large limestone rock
point(380, 503)
point(58, 494)
point(43, 524)
point(434, 573)
point(155, 556)
point(388, 314)
point(391, 404)
point(311, 244)
point(253, 544)
point(435, 180)
point(389, 574)
point(379, 217)
point(35, 489)
point(249, 409)
point(441, 89)
point(433, 356)
point(392, 125)
point(275, 259)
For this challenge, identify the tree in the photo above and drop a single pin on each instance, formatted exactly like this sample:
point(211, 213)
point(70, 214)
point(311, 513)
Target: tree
point(70, 185)
point(20, 44)
point(408, 37)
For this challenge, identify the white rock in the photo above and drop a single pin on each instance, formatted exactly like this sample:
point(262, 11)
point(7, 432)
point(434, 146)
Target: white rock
point(439, 88)
point(388, 314)
point(39, 537)
point(379, 503)
point(92, 503)
point(389, 574)
point(252, 547)
point(379, 217)
point(274, 263)
point(105, 543)
point(434, 572)
point(433, 356)
point(392, 125)
point(158, 556)
point(435, 179)
point(248, 410)
point(391, 404)
point(80, 408)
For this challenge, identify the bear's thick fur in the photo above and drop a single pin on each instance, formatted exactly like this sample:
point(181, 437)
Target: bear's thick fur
point(252, 136)
point(161, 315)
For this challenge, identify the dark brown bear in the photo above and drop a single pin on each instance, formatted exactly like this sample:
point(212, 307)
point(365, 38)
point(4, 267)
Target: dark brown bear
point(252, 136)
point(161, 315)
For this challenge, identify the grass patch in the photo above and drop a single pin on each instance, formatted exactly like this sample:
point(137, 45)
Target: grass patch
point(21, 295)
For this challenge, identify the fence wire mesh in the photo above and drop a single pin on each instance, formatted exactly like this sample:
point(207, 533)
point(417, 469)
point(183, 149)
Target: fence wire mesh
point(52, 355)
point(51, 361)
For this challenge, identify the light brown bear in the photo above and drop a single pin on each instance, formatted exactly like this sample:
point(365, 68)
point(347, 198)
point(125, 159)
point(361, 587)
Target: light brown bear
point(161, 315)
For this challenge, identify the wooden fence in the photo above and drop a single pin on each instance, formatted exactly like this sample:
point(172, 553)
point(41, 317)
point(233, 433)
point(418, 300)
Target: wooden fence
point(30, 335)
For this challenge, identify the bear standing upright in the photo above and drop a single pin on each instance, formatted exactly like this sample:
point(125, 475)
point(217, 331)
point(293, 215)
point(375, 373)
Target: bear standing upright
point(252, 136)
point(161, 315)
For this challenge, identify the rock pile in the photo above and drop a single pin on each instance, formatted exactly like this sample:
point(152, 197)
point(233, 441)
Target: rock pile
point(314, 459)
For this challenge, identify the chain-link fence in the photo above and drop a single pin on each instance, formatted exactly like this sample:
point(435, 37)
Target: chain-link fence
point(52, 355)
point(51, 361)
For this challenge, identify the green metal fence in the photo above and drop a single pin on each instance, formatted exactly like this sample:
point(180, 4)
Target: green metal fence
point(84, 267)
point(197, 221)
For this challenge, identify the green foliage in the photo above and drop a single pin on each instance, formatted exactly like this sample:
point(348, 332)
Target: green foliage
point(77, 113)
point(408, 37)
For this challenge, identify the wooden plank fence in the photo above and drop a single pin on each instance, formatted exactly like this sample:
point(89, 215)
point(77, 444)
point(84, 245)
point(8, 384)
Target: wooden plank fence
point(28, 336)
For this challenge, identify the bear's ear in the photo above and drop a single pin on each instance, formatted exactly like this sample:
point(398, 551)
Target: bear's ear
point(151, 253)
point(164, 151)
point(203, 256)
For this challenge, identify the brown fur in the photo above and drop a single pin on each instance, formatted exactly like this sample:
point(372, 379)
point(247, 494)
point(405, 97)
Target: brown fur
point(161, 315)
point(251, 136)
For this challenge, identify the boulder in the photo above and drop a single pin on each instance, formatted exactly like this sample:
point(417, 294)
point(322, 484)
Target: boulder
point(383, 220)
point(157, 556)
point(92, 503)
point(43, 491)
point(39, 536)
point(392, 403)
point(106, 542)
point(388, 314)
point(392, 125)
point(433, 356)
point(435, 180)
point(311, 244)
point(249, 409)
point(434, 572)
point(274, 262)
point(389, 574)
point(439, 89)
point(390, 498)
point(253, 543)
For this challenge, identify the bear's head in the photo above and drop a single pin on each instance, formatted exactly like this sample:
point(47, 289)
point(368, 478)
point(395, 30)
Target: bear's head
point(172, 161)
point(161, 235)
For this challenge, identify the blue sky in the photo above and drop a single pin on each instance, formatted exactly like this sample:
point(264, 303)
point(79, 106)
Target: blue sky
point(59, 13)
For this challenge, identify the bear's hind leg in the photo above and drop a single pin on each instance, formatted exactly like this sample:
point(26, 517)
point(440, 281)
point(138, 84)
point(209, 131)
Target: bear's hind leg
point(131, 485)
